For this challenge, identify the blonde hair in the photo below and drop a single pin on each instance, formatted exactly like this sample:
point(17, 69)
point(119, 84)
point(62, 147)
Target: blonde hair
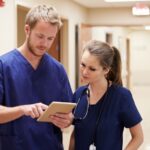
point(43, 13)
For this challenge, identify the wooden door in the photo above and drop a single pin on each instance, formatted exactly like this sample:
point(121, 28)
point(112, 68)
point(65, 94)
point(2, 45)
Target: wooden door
point(56, 48)
point(83, 33)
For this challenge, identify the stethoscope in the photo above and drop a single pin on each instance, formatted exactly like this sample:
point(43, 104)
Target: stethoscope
point(86, 92)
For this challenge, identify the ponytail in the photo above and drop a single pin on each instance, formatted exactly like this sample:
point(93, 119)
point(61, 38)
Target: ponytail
point(115, 72)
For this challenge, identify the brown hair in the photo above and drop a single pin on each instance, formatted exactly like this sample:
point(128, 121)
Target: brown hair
point(109, 57)
point(44, 13)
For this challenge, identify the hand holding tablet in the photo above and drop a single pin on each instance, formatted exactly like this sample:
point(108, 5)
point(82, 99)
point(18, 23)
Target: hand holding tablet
point(56, 107)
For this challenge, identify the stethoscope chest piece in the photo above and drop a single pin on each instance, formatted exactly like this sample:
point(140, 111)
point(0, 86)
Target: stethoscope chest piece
point(92, 147)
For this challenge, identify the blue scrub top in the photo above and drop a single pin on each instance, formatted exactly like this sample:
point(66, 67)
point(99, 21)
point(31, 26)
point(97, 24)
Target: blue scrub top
point(119, 111)
point(20, 84)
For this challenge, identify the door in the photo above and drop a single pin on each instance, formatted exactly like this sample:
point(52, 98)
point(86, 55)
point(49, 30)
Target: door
point(83, 33)
point(56, 48)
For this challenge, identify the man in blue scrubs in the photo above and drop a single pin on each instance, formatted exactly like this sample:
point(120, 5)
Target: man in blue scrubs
point(30, 79)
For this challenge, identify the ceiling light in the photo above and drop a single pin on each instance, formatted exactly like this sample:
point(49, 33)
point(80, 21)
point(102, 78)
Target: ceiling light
point(127, 1)
point(147, 28)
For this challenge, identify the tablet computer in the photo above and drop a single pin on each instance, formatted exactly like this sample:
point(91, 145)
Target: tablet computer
point(56, 107)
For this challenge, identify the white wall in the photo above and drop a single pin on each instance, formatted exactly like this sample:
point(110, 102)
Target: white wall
point(7, 26)
point(115, 16)
point(140, 57)
point(99, 33)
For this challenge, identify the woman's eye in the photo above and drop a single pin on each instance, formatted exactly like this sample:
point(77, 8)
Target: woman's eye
point(50, 39)
point(92, 69)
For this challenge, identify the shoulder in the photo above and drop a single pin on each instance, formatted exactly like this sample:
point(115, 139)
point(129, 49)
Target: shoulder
point(52, 61)
point(80, 89)
point(128, 112)
point(55, 66)
point(121, 91)
point(121, 95)
point(8, 57)
point(79, 92)
point(125, 100)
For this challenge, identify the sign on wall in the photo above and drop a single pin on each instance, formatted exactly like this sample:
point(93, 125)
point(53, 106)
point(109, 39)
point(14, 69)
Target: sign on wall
point(2, 3)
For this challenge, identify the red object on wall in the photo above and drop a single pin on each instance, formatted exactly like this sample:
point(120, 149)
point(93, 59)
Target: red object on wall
point(2, 3)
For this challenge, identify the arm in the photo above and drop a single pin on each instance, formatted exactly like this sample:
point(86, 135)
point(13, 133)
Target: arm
point(137, 137)
point(8, 114)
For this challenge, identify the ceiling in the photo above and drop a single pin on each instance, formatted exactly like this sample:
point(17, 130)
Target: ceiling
point(102, 3)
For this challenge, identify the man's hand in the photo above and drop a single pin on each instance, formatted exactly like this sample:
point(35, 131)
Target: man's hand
point(62, 120)
point(34, 110)
point(8, 114)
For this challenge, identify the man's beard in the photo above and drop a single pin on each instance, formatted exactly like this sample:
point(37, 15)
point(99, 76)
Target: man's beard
point(31, 48)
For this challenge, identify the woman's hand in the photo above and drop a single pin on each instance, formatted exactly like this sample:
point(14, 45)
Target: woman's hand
point(62, 120)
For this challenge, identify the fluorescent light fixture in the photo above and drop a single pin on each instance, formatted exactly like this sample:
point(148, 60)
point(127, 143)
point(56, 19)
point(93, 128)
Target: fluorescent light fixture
point(147, 28)
point(112, 1)
point(140, 9)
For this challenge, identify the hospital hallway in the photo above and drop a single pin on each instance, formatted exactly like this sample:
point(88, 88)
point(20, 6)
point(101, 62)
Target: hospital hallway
point(141, 95)
point(116, 23)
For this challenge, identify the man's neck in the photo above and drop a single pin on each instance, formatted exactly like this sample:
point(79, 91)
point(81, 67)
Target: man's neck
point(31, 58)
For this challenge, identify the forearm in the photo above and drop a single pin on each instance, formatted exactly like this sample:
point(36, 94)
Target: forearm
point(134, 144)
point(8, 114)
point(137, 138)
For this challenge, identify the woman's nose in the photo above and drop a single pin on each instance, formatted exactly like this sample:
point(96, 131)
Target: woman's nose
point(85, 71)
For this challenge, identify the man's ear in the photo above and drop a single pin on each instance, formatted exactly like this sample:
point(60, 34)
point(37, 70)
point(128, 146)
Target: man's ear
point(27, 29)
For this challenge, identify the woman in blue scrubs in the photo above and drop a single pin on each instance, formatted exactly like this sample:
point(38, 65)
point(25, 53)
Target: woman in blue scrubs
point(30, 80)
point(104, 107)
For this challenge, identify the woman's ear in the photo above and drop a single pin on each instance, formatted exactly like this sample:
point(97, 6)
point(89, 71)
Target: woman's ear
point(106, 70)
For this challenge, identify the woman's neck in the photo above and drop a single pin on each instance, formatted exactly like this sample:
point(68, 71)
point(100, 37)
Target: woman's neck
point(99, 86)
point(97, 90)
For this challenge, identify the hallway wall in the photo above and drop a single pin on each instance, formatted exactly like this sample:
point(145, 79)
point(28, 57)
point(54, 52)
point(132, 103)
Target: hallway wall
point(8, 27)
point(116, 16)
point(140, 52)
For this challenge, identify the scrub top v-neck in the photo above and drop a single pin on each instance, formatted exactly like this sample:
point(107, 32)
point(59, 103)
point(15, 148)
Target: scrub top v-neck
point(119, 111)
point(21, 84)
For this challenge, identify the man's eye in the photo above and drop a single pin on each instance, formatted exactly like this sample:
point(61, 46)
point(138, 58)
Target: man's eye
point(40, 36)
point(82, 65)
